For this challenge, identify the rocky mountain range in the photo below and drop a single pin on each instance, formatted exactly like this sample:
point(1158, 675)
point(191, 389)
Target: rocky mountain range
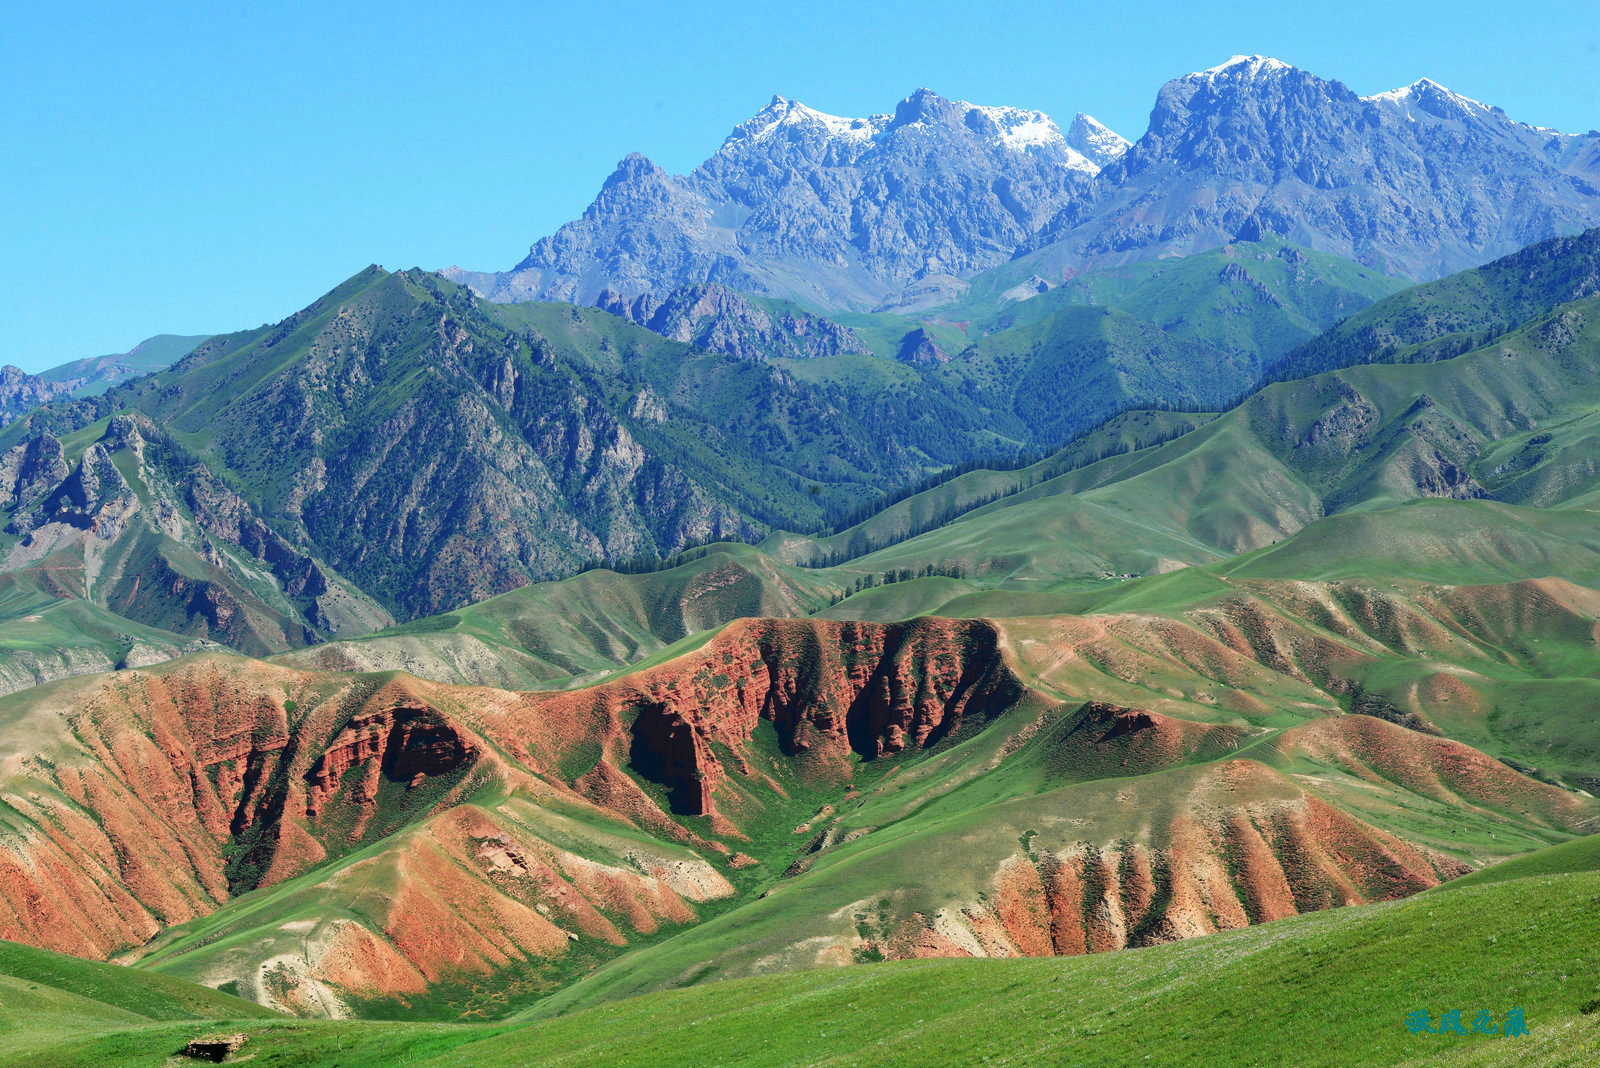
point(1419, 181)
point(828, 211)
point(893, 210)
point(402, 447)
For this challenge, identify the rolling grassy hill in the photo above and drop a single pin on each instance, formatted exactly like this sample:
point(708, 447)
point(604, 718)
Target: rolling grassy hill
point(1245, 997)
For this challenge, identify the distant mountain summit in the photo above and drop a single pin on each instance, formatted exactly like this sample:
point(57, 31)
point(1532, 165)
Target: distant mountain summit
point(831, 211)
point(893, 210)
point(1419, 181)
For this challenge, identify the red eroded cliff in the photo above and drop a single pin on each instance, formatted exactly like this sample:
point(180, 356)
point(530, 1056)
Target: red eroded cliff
point(827, 688)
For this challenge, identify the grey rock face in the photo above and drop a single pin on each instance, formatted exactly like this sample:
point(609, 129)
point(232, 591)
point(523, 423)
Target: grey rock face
point(717, 319)
point(827, 210)
point(30, 470)
point(158, 538)
point(1418, 181)
point(21, 392)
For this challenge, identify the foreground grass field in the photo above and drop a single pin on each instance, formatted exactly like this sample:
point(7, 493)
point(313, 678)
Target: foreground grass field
point(1331, 988)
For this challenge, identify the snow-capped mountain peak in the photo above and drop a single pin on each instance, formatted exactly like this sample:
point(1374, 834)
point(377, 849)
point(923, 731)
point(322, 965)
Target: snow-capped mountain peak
point(1094, 141)
point(1429, 91)
point(791, 114)
point(1242, 68)
point(1441, 102)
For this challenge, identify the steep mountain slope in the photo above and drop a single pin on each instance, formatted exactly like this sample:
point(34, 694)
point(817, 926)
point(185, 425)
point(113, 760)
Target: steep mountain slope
point(1113, 360)
point(1452, 315)
point(398, 431)
point(123, 516)
point(1419, 181)
point(20, 392)
point(828, 211)
point(1512, 421)
point(1255, 299)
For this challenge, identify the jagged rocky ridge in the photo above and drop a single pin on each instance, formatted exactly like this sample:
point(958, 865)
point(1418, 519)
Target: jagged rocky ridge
point(21, 392)
point(717, 319)
point(1419, 181)
point(139, 525)
point(828, 211)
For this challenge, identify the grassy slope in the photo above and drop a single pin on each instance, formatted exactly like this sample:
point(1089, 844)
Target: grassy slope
point(1287, 296)
point(1267, 469)
point(47, 998)
point(45, 634)
point(1331, 988)
point(561, 633)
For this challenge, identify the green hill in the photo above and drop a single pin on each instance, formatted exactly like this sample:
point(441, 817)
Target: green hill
point(93, 376)
point(48, 1000)
point(560, 633)
point(1447, 317)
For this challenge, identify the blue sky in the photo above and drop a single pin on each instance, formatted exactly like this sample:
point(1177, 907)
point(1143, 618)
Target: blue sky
point(188, 168)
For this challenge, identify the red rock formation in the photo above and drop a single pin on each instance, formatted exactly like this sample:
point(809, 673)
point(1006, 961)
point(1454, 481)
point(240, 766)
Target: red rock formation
point(400, 743)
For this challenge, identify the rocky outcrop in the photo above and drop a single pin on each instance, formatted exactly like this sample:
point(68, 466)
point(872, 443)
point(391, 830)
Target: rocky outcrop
point(1248, 862)
point(30, 470)
point(141, 526)
point(94, 497)
point(717, 319)
point(920, 348)
point(400, 744)
point(1095, 142)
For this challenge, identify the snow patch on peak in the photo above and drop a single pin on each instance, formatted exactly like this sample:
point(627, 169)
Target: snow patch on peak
point(1242, 68)
point(1020, 129)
